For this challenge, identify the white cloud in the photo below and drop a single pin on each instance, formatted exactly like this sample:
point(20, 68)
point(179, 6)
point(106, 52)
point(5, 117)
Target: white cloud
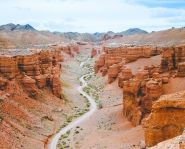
point(89, 15)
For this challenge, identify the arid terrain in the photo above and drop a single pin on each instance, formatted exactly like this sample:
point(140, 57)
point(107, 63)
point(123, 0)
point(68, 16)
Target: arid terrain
point(87, 91)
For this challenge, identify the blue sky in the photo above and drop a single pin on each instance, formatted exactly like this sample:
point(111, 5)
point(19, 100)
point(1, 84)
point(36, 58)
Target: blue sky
point(161, 3)
point(94, 15)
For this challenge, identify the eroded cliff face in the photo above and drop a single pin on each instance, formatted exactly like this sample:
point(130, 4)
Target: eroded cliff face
point(173, 58)
point(175, 143)
point(30, 97)
point(70, 49)
point(114, 58)
point(38, 70)
point(166, 119)
point(142, 90)
point(138, 95)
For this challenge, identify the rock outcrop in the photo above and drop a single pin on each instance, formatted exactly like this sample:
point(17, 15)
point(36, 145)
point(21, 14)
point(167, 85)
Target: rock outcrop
point(138, 95)
point(93, 52)
point(30, 92)
point(174, 143)
point(166, 119)
point(70, 49)
point(125, 74)
point(181, 69)
point(172, 58)
point(162, 116)
point(113, 56)
point(37, 70)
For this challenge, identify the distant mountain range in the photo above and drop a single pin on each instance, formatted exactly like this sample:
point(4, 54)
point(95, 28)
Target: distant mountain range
point(75, 35)
point(23, 36)
point(13, 27)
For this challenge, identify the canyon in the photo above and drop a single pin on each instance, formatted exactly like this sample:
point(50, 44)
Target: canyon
point(160, 116)
point(31, 99)
point(105, 94)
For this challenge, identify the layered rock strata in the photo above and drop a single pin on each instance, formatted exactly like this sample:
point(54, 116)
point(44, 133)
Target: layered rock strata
point(138, 95)
point(113, 56)
point(142, 91)
point(173, 58)
point(37, 70)
point(166, 119)
point(30, 92)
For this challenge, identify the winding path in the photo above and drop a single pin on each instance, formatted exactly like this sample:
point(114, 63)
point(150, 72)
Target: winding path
point(53, 143)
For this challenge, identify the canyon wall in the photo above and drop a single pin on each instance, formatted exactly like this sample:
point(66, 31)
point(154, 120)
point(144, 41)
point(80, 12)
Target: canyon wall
point(173, 58)
point(162, 116)
point(37, 70)
point(31, 105)
point(113, 58)
point(166, 120)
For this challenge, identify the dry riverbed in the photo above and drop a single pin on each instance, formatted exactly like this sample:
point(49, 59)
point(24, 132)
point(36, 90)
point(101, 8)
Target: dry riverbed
point(106, 128)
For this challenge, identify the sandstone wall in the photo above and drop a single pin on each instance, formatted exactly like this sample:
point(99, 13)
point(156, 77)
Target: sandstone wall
point(113, 56)
point(138, 95)
point(172, 57)
point(30, 92)
point(166, 120)
point(37, 70)
point(163, 116)
point(94, 52)
point(70, 49)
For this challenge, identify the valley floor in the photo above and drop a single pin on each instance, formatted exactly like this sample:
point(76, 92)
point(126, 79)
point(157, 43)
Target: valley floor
point(106, 128)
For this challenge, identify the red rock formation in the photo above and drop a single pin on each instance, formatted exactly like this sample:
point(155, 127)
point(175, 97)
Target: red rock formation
point(181, 69)
point(171, 57)
point(125, 74)
point(138, 95)
point(41, 81)
point(121, 55)
point(70, 49)
point(113, 73)
point(93, 52)
point(131, 109)
point(29, 85)
point(175, 143)
point(30, 89)
point(166, 120)
point(99, 63)
point(8, 67)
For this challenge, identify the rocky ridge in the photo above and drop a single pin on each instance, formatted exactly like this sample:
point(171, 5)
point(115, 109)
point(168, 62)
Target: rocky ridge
point(30, 95)
point(142, 91)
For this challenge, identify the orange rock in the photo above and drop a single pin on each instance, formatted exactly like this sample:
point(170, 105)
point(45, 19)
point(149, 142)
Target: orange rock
point(154, 89)
point(126, 74)
point(41, 81)
point(141, 75)
point(131, 109)
point(113, 73)
point(8, 67)
point(56, 86)
point(103, 71)
point(93, 52)
point(3, 83)
point(29, 85)
point(166, 120)
point(181, 69)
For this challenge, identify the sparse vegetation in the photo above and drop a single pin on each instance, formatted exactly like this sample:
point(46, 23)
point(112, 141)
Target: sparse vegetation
point(64, 97)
